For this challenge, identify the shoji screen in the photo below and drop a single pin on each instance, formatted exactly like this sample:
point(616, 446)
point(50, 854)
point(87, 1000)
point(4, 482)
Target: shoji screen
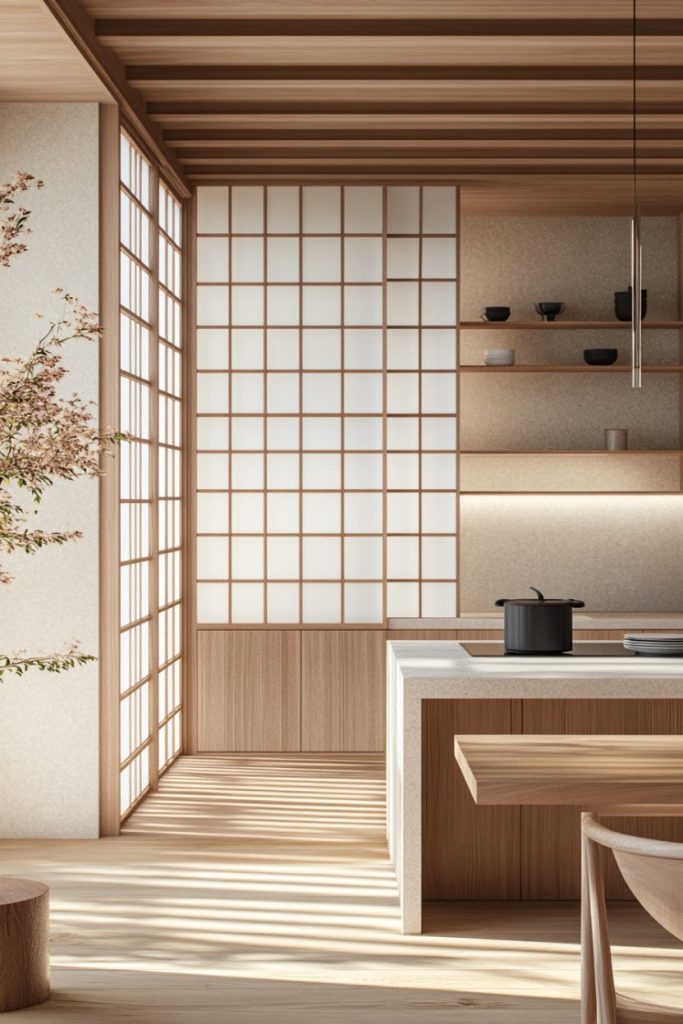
point(149, 488)
point(421, 400)
point(294, 335)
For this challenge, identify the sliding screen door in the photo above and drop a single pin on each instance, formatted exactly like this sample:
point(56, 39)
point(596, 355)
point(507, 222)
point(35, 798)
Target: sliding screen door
point(150, 476)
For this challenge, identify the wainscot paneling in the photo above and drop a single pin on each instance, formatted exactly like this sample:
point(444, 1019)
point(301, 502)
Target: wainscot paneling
point(249, 690)
point(342, 690)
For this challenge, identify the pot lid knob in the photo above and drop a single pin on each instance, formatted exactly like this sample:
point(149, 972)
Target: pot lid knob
point(537, 591)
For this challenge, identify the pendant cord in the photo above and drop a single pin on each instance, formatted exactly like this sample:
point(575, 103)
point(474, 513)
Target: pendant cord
point(635, 109)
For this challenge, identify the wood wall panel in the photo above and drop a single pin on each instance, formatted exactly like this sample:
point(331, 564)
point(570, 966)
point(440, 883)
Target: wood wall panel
point(550, 848)
point(468, 852)
point(342, 690)
point(248, 690)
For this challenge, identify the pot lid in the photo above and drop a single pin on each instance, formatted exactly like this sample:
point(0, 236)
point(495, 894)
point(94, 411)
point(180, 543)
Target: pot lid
point(534, 602)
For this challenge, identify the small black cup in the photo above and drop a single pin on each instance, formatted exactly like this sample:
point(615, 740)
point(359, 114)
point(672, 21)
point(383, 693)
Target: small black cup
point(496, 313)
point(623, 304)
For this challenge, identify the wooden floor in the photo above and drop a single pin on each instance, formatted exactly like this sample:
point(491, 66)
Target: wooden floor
point(258, 890)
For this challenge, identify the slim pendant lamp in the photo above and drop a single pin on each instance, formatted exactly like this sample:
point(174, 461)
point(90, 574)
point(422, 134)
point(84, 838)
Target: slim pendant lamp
point(636, 254)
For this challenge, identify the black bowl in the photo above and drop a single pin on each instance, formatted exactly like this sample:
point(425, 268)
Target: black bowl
point(600, 356)
point(497, 313)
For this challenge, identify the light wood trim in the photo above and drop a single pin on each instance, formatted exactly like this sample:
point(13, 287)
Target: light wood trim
point(189, 426)
point(80, 28)
point(577, 770)
point(24, 941)
point(109, 481)
point(154, 450)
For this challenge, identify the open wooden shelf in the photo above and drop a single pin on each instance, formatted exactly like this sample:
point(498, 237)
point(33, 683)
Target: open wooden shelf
point(488, 492)
point(597, 451)
point(578, 368)
point(567, 325)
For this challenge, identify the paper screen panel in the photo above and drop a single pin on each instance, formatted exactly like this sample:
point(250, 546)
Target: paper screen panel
point(339, 339)
point(150, 493)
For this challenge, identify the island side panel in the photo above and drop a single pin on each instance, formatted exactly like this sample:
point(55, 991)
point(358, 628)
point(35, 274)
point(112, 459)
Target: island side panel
point(550, 838)
point(468, 852)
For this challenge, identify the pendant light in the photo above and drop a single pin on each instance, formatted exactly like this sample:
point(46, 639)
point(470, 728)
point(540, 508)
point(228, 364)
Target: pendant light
point(636, 258)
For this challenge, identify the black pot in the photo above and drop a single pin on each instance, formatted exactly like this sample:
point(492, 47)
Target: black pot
point(623, 304)
point(538, 626)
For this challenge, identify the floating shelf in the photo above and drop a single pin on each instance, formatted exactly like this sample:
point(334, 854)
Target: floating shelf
point(578, 368)
point(564, 493)
point(567, 325)
point(597, 451)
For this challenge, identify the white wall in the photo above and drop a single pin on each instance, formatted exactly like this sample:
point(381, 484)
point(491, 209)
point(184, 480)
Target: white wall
point(49, 723)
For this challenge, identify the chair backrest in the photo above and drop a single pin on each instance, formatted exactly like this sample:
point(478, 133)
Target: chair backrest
point(652, 869)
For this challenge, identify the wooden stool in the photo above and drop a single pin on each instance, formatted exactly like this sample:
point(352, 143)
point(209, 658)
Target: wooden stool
point(24, 953)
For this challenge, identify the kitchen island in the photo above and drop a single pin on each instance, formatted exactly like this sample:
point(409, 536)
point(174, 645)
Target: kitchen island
point(419, 672)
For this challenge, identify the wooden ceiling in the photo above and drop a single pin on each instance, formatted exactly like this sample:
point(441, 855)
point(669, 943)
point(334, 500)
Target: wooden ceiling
point(38, 61)
point(483, 91)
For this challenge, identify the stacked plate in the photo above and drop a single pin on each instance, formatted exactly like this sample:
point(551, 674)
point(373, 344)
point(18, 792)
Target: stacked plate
point(656, 645)
point(499, 357)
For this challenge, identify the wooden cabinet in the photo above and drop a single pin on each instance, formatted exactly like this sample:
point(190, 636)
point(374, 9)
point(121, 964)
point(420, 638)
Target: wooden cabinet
point(468, 852)
point(290, 690)
point(248, 692)
point(342, 690)
point(551, 853)
point(530, 853)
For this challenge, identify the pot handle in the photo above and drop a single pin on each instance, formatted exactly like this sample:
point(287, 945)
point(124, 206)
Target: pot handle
point(576, 604)
point(504, 600)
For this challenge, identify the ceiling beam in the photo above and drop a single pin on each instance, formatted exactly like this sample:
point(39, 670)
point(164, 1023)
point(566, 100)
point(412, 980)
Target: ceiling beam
point(417, 167)
point(178, 136)
point(396, 72)
point(393, 152)
point(160, 27)
point(425, 107)
point(79, 27)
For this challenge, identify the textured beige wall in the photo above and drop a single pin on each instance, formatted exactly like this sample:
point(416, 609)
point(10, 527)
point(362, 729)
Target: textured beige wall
point(617, 553)
point(49, 723)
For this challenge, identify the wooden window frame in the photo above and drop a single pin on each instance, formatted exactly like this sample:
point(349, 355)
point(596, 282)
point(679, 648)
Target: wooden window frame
point(111, 130)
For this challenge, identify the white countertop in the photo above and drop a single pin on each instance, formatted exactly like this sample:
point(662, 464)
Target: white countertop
point(419, 670)
point(582, 620)
point(443, 668)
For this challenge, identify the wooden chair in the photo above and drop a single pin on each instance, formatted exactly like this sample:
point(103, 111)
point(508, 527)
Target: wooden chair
point(653, 871)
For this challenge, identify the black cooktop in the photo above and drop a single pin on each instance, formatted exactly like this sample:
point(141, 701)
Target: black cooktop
point(581, 649)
